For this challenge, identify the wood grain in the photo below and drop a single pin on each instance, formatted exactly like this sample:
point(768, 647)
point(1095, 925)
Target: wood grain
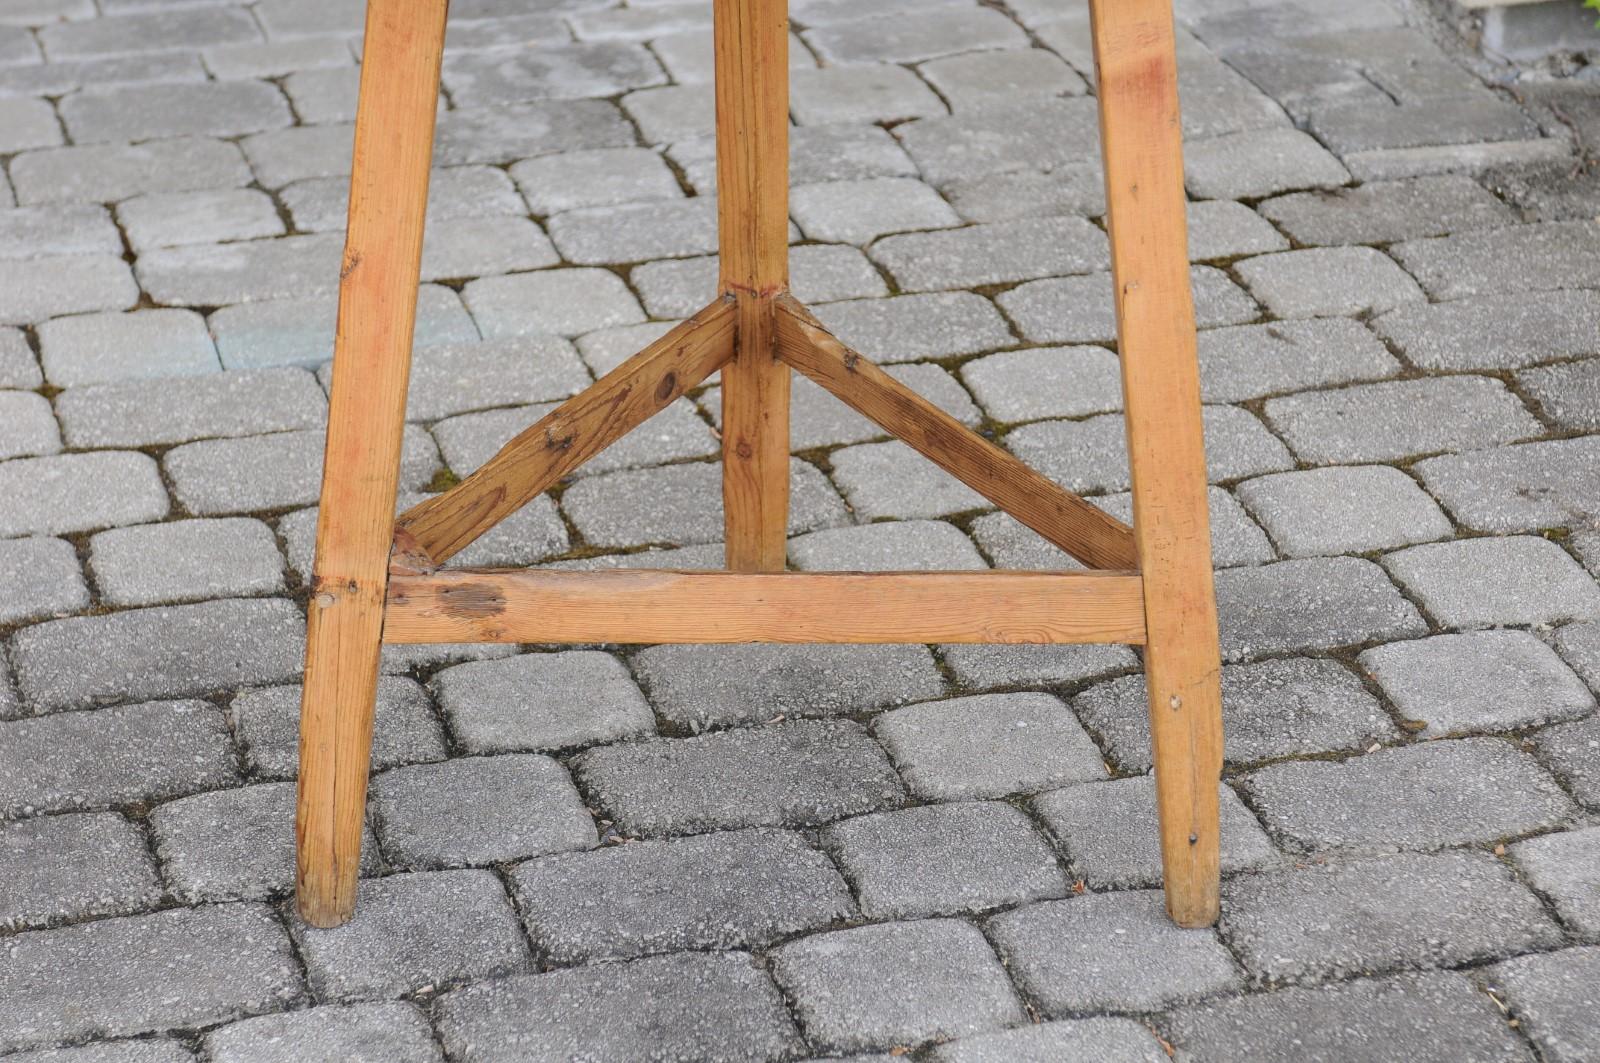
point(1083, 530)
point(371, 363)
point(751, 41)
point(1142, 144)
point(633, 606)
point(432, 531)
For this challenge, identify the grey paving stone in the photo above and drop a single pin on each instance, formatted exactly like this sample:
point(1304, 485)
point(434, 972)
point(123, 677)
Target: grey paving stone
point(983, 79)
point(697, 687)
point(1329, 921)
point(1250, 361)
point(321, 204)
point(1137, 958)
point(176, 218)
point(993, 254)
point(1399, 419)
point(1349, 126)
point(233, 844)
point(187, 560)
point(117, 977)
point(604, 349)
point(40, 288)
point(1386, 211)
point(220, 476)
point(243, 272)
point(478, 810)
point(113, 757)
point(1310, 604)
point(863, 93)
point(1029, 135)
point(140, 1051)
point(988, 745)
point(18, 367)
point(1579, 646)
point(839, 152)
point(1068, 189)
point(689, 58)
point(1109, 832)
point(672, 113)
point(300, 331)
point(1092, 455)
point(1106, 1040)
point(170, 651)
point(100, 348)
point(103, 173)
point(64, 493)
point(635, 232)
point(1259, 163)
point(601, 178)
point(55, 869)
point(1570, 749)
point(1487, 582)
point(271, 59)
point(943, 31)
point(1269, 709)
point(734, 889)
point(794, 774)
point(895, 984)
point(716, 1006)
point(589, 68)
point(909, 327)
point(979, 667)
point(148, 31)
point(1554, 998)
point(685, 504)
point(1079, 309)
point(1343, 510)
point(1537, 257)
point(542, 701)
point(856, 212)
point(28, 124)
point(1568, 395)
point(27, 425)
point(892, 480)
point(567, 302)
point(447, 379)
point(1430, 1017)
point(39, 578)
point(674, 433)
point(943, 860)
point(1221, 229)
point(893, 546)
point(413, 931)
point(1327, 281)
point(142, 413)
point(1564, 867)
point(283, 156)
point(1037, 382)
point(147, 112)
point(58, 230)
point(394, 1032)
point(267, 723)
point(472, 247)
point(1425, 796)
point(1479, 681)
point(520, 131)
point(1518, 488)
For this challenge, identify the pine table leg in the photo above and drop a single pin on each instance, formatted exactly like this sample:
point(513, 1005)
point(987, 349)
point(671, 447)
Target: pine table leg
point(752, 89)
point(372, 358)
point(1142, 143)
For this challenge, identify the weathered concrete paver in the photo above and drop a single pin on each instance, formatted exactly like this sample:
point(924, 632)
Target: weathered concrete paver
point(776, 852)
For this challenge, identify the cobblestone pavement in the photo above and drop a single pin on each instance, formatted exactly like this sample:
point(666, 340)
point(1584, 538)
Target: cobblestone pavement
point(756, 853)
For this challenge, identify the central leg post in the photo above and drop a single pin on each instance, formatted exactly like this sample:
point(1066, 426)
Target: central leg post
point(752, 89)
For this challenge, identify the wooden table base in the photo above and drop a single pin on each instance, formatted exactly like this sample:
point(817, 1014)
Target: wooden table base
point(378, 579)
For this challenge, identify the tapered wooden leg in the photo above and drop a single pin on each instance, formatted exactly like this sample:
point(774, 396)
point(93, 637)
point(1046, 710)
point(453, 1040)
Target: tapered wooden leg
point(372, 360)
point(1141, 139)
point(752, 71)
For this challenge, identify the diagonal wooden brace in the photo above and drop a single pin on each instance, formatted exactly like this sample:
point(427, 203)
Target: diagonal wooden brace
point(429, 533)
point(1086, 532)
